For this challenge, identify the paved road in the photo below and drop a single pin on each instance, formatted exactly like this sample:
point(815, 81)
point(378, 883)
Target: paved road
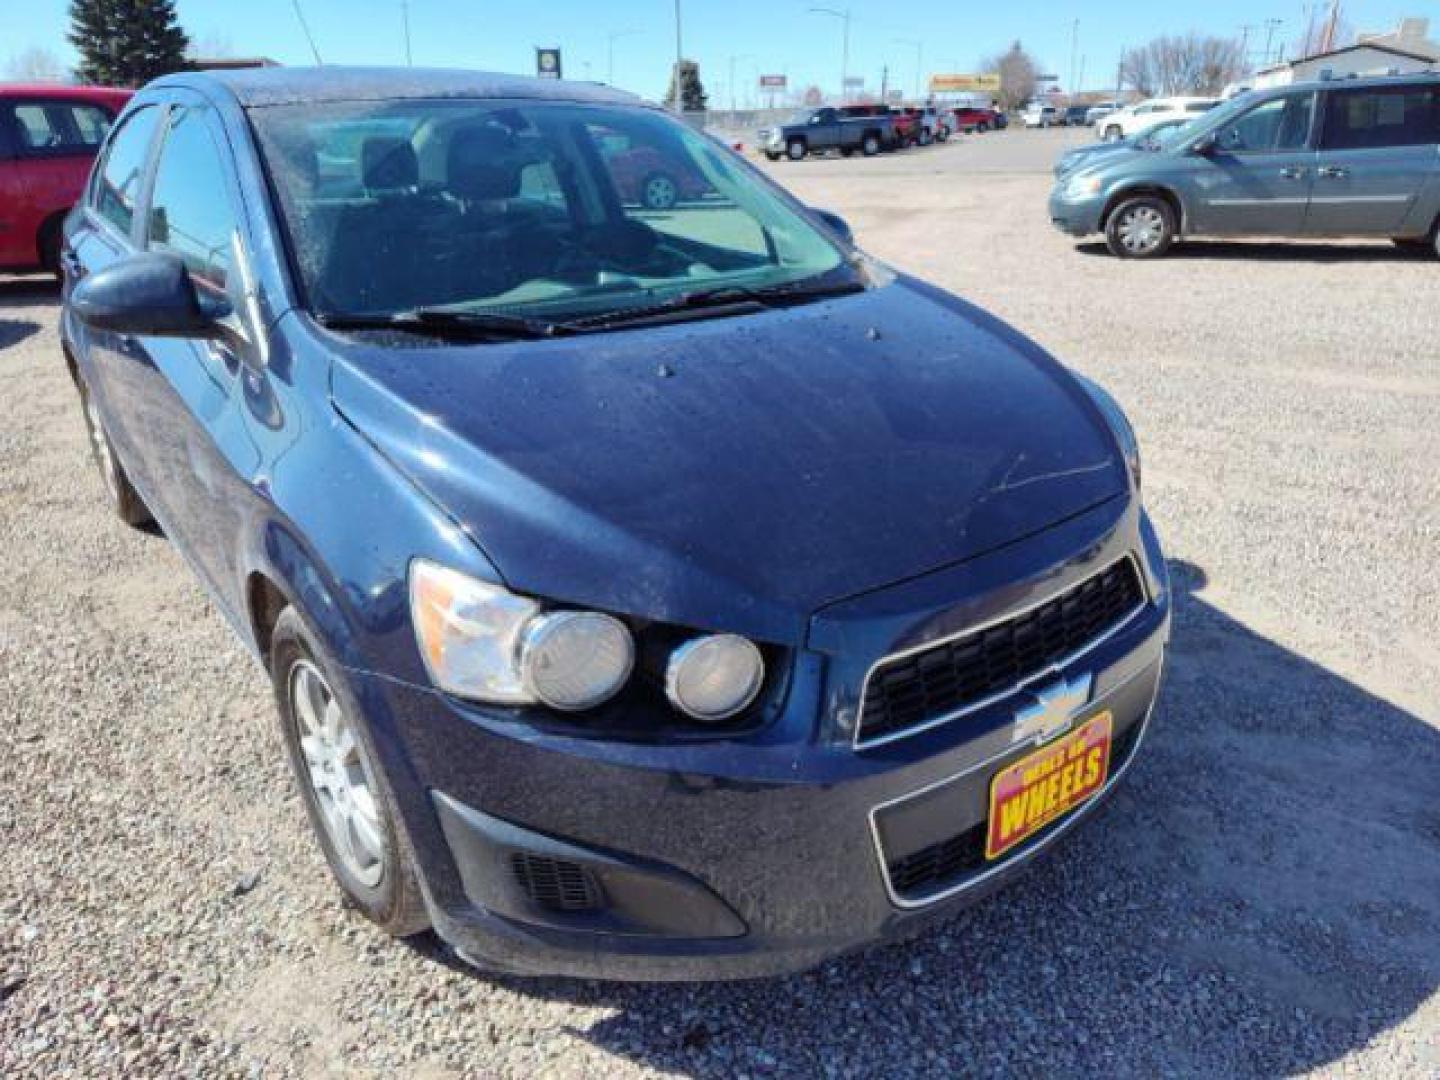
point(1263, 898)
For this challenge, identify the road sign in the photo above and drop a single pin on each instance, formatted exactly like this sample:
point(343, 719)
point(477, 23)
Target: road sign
point(964, 84)
point(772, 82)
point(547, 63)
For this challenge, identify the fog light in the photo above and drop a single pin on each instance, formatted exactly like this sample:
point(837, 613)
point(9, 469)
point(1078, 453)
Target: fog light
point(713, 678)
point(574, 660)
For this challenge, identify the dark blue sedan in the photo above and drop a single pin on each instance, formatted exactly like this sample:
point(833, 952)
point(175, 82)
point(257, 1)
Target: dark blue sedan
point(648, 592)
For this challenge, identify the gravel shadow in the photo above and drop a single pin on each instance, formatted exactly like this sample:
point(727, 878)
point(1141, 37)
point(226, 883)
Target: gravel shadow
point(14, 331)
point(1262, 897)
point(1264, 251)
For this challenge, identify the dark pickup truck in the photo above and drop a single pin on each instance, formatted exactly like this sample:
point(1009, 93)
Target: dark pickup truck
point(813, 131)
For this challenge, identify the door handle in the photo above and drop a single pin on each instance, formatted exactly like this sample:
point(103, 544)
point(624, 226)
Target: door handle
point(1292, 172)
point(1333, 172)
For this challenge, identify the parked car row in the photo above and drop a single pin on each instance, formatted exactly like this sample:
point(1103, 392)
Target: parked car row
point(871, 129)
point(1335, 158)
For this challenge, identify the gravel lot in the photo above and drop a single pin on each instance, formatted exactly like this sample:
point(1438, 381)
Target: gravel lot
point(1263, 897)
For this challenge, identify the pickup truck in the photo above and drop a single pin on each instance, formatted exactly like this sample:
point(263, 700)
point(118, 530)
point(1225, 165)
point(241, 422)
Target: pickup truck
point(815, 130)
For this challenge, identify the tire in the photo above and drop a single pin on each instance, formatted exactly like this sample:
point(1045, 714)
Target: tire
point(942, 134)
point(1113, 133)
point(870, 146)
point(1142, 227)
point(124, 500)
point(47, 247)
point(926, 138)
point(772, 155)
point(847, 151)
point(983, 127)
point(659, 191)
point(374, 862)
point(795, 150)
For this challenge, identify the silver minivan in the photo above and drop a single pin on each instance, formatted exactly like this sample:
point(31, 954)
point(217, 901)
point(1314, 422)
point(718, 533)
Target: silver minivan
point(1336, 158)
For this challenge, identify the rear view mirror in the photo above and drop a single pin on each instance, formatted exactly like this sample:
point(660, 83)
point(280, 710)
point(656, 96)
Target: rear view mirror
point(836, 224)
point(147, 295)
point(1205, 145)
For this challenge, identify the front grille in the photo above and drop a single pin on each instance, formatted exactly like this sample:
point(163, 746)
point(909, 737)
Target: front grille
point(556, 884)
point(936, 682)
point(943, 864)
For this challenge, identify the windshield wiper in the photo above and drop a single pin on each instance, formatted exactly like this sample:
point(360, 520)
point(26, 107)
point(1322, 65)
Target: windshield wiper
point(695, 302)
point(447, 322)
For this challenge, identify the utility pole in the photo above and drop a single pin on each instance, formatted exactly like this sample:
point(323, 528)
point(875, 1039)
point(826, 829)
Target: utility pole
point(679, 97)
point(405, 18)
point(844, 17)
point(1074, 52)
point(305, 28)
point(1271, 25)
point(1245, 44)
point(1309, 46)
point(1119, 76)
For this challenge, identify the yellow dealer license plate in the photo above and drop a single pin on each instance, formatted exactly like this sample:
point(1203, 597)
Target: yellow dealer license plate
point(1047, 785)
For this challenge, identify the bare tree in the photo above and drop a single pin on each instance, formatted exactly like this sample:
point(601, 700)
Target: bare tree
point(1192, 64)
point(1018, 73)
point(35, 65)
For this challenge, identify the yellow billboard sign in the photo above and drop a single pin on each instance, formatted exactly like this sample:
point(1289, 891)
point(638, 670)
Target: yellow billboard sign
point(964, 84)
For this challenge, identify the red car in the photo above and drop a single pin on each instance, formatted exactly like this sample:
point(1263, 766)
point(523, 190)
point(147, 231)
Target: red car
point(968, 120)
point(48, 137)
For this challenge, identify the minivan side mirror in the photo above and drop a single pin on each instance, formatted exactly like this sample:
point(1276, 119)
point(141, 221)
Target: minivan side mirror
point(836, 224)
point(149, 295)
point(1205, 145)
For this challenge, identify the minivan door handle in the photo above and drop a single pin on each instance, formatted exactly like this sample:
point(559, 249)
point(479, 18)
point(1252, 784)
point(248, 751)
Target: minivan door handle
point(1293, 172)
point(1333, 172)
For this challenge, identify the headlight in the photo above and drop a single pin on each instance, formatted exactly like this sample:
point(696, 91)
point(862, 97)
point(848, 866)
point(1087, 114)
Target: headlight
point(713, 678)
point(1119, 424)
point(574, 660)
point(1082, 187)
point(481, 641)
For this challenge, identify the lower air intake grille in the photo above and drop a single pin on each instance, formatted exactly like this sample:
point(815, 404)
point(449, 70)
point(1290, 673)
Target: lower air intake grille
point(911, 690)
point(556, 884)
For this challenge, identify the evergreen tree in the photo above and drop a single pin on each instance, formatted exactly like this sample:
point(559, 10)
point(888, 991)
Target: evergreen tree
point(126, 42)
point(692, 93)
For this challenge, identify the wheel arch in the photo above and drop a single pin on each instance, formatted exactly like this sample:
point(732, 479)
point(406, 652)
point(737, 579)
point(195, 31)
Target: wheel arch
point(1158, 190)
point(52, 223)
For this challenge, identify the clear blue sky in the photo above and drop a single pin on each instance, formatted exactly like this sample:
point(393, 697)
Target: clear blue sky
point(763, 35)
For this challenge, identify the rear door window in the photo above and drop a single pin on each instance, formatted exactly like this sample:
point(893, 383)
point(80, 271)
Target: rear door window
point(118, 181)
point(1374, 118)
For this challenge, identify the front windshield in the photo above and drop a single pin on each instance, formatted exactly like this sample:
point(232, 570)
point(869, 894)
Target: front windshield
point(537, 209)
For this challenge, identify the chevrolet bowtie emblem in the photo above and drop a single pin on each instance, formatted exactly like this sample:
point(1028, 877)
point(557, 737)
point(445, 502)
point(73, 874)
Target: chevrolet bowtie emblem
point(1054, 709)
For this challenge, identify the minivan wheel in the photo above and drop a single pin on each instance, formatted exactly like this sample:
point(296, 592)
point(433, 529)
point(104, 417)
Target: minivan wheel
point(120, 493)
point(871, 146)
point(796, 150)
point(346, 796)
point(1140, 228)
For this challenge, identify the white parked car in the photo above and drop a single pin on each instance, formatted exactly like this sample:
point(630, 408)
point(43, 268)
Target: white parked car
point(1100, 110)
point(1037, 115)
point(1138, 119)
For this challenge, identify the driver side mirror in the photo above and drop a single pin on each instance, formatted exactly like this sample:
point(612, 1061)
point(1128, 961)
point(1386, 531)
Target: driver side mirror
point(149, 295)
point(836, 224)
point(1205, 145)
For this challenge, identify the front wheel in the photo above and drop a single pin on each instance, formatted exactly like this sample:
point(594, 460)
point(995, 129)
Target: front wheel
point(346, 795)
point(124, 500)
point(1141, 228)
point(773, 155)
point(871, 146)
point(796, 150)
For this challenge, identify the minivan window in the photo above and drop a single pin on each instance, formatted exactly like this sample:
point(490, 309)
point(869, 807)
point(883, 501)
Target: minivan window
point(1381, 117)
point(190, 210)
point(1279, 124)
point(117, 184)
point(536, 208)
point(53, 128)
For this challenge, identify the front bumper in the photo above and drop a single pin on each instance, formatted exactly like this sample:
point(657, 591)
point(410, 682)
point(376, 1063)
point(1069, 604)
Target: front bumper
point(1075, 217)
point(723, 859)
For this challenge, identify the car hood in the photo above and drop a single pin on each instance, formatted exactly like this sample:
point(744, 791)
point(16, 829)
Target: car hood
point(739, 473)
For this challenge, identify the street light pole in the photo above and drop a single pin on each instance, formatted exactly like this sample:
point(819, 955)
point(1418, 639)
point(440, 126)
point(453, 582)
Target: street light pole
point(613, 36)
point(405, 18)
point(844, 17)
point(679, 97)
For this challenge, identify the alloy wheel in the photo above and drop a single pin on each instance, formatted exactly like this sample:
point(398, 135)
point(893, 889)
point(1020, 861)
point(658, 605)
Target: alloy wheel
point(340, 775)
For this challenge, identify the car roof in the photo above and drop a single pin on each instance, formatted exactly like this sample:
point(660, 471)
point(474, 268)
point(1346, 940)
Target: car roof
point(260, 87)
point(1428, 78)
point(109, 94)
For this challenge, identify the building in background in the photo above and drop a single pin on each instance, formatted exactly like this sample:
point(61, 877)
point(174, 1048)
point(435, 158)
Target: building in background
point(1403, 51)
